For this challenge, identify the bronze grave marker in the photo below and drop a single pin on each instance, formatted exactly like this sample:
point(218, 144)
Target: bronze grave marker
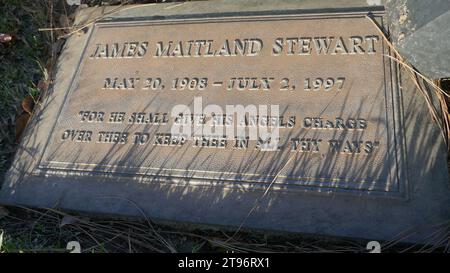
point(192, 118)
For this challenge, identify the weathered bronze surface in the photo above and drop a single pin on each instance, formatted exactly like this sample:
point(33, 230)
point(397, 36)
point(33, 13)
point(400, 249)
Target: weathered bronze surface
point(327, 74)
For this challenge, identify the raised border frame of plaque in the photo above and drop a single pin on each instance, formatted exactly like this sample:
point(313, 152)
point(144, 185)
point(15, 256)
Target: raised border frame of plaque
point(397, 179)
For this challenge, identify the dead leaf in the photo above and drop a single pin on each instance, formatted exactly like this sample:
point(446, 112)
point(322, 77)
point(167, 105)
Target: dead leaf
point(42, 85)
point(28, 104)
point(5, 38)
point(3, 212)
point(21, 123)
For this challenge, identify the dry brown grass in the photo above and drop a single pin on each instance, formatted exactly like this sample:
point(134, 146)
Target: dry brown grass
point(438, 113)
point(39, 230)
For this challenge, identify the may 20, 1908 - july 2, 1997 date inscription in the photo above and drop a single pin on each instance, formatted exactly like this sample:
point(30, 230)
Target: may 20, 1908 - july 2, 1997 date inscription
point(201, 100)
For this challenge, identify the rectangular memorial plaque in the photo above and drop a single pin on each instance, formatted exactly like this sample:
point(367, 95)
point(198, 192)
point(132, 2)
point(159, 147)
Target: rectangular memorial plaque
point(326, 74)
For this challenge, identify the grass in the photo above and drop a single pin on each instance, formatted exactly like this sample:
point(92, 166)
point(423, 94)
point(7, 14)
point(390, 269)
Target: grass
point(20, 66)
point(25, 62)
